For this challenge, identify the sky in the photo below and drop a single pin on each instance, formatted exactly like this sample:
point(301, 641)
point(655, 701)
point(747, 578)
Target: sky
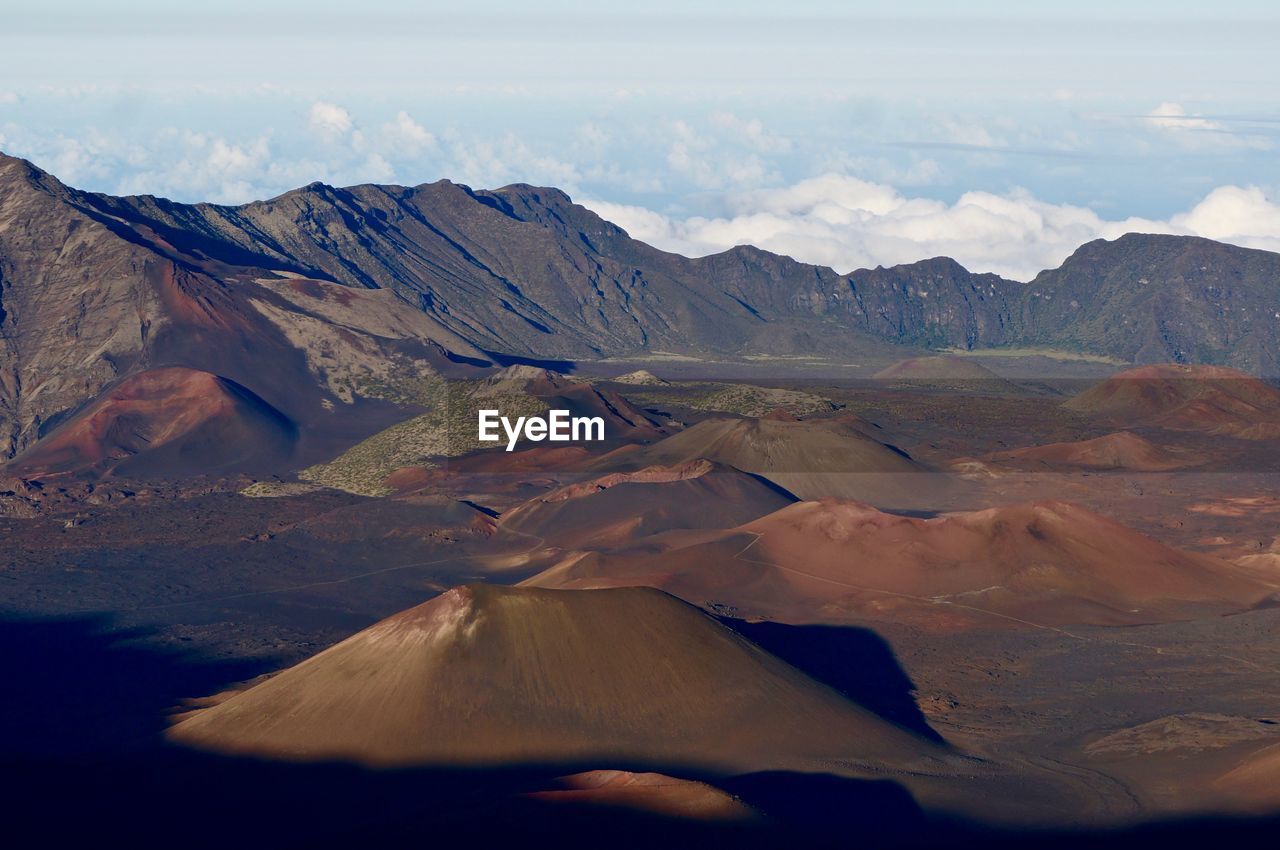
point(852, 134)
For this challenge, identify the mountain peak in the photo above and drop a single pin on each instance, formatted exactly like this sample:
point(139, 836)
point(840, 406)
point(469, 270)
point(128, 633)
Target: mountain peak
point(936, 264)
point(1135, 244)
point(15, 170)
point(546, 195)
point(584, 678)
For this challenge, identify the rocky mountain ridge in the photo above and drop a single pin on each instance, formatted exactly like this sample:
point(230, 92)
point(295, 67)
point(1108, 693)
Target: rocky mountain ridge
point(326, 297)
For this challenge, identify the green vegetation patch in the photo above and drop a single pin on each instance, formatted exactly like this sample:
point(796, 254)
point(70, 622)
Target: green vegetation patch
point(742, 399)
point(447, 430)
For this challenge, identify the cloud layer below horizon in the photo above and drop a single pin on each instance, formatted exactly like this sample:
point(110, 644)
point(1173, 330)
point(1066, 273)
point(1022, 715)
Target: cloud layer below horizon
point(847, 184)
point(847, 223)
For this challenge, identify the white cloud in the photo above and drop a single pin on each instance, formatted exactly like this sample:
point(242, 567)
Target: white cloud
point(713, 163)
point(639, 180)
point(507, 160)
point(847, 223)
point(751, 132)
point(958, 131)
point(329, 119)
point(80, 160)
point(407, 137)
point(1239, 214)
point(1196, 132)
point(715, 170)
point(921, 171)
point(376, 169)
point(1173, 116)
point(225, 158)
point(212, 168)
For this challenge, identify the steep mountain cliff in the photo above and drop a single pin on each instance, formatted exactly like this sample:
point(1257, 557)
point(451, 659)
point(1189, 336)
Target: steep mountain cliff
point(88, 298)
point(325, 297)
point(1158, 299)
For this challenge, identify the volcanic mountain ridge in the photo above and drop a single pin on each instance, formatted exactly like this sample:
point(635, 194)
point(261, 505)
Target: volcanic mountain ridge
point(325, 296)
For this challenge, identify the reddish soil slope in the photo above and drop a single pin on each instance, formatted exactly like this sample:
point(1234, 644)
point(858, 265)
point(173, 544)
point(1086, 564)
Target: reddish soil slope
point(1121, 450)
point(1210, 399)
point(487, 674)
point(168, 422)
point(621, 507)
point(654, 793)
point(1255, 782)
point(1046, 564)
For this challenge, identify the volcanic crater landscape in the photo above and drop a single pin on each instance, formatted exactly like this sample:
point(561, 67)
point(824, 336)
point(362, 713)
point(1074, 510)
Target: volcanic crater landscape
point(853, 565)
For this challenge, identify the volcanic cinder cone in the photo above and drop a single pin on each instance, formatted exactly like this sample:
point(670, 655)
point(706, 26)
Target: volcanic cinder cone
point(641, 377)
point(944, 370)
point(1254, 783)
point(1044, 563)
point(580, 398)
point(812, 458)
point(1210, 399)
point(168, 421)
point(485, 675)
point(624, 506)
point(1121, 450)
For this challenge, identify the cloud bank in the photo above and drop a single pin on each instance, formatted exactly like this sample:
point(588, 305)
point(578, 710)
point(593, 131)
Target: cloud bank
point(847, 223)
point(698, 180)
